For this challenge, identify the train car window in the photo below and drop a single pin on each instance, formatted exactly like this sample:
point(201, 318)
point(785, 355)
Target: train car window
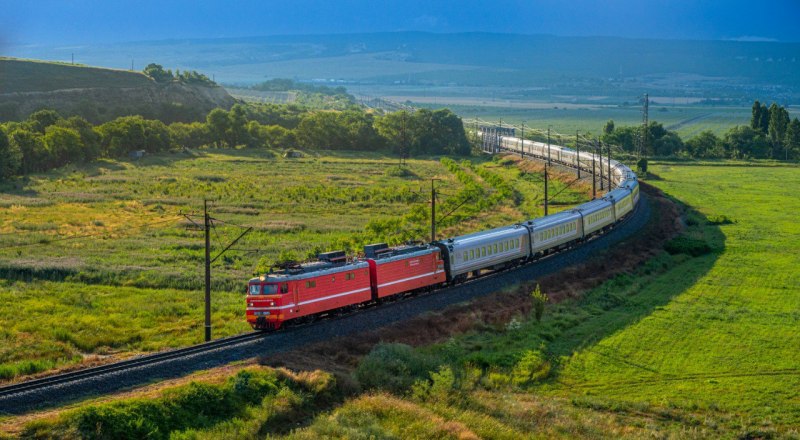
point(465, 256)
point(350, 276)
point(495, 248)
point(471, 254)
point(284, 287)
point(310, 284)
point(452, 258)
point(483, 251)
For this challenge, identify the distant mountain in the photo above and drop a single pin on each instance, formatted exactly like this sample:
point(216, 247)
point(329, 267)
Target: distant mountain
point(734, 70)
point(99, 94)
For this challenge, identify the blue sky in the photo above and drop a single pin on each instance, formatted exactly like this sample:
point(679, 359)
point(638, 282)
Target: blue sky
point(50, 22)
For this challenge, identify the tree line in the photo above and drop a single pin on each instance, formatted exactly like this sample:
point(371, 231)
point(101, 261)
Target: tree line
point(46, 140)
point(161, 75)
point(771, 134)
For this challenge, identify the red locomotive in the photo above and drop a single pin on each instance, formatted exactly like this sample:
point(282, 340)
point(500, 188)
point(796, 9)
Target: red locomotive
point(332, 282)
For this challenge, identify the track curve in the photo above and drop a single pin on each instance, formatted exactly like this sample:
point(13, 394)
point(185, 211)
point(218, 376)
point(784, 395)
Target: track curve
point(58, 389)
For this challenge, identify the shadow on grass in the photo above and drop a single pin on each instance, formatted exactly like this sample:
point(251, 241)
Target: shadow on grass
point(620, 302)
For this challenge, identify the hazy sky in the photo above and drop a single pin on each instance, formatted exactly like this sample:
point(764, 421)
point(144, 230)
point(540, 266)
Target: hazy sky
point(52, 22)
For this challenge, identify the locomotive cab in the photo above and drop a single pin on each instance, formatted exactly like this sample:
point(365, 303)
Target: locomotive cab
point(265, 303)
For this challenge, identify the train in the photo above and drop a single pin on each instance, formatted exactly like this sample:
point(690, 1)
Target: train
point(334, 282)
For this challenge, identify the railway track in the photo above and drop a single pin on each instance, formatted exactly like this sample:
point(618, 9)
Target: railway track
point(46, 391)
point(139, 361)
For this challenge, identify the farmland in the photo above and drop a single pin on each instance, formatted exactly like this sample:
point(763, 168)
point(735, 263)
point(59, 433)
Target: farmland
point(100, 260)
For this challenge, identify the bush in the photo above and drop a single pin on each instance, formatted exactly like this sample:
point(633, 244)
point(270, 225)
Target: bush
point(531, 367)
point(539, 300)
point(687, 245)
point(720, 220)
point(393, 367)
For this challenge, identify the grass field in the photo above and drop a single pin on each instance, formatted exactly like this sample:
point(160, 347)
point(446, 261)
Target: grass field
point(100, 260)
point(699, 342)
point(565, 118)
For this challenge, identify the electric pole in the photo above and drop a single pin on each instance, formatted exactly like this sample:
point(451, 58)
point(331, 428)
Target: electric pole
point(578, 155)
point(609, 166)
point(433, 211)
point(600, 153)
point(207, 227)
point(594, 175)
point(545, 189)
point(643, 144)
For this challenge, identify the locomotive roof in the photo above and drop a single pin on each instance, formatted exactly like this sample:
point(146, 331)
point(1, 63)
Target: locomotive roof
point(401, 252)
point(308, 270)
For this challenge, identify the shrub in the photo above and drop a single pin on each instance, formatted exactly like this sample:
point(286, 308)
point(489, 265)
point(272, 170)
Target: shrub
point(720, 220)
point(531, 367)
point(539, 300)
point(393, 367)
point(683, 244)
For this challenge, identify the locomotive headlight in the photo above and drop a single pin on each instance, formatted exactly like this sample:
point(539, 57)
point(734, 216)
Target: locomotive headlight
point(249, 304)
point(272, 303)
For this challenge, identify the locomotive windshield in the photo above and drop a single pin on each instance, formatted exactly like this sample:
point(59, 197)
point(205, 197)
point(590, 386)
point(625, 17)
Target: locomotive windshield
point(269, 289)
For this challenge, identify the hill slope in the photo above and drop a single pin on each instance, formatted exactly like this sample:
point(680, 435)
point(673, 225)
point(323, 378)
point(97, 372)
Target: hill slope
point(99, 94)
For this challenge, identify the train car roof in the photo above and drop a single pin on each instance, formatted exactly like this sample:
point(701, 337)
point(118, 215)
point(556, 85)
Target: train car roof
point(593, 206)
point(554, 219)
point(503, 230)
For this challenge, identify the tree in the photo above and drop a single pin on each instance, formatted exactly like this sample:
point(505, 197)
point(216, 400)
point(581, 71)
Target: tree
point(792, 141)
point(130, 133)
point(42, 119)
point(706, 144)
point(157, 72)
point(669, 144)
point(742, 141)
point(63, 146)
point(218, 125)
point(90, 138)
point(10, 157)
point(778, 122)
point(755, 119)
point(31, 146)
point(763, 123)
point(609, 127)
point(193, 135)
point(236, 133)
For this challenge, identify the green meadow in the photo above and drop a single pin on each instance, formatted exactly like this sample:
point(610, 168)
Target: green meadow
point(106, 259)
point(698, 342)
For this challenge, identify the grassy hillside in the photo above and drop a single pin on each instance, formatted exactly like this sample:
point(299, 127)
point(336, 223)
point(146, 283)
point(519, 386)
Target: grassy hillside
point(80, 248)
point(99, 94)
point(40, 76)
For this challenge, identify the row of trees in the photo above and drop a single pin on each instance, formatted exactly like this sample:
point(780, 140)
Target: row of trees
point(770, 135)
point(159, 74)
point(46, 140)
